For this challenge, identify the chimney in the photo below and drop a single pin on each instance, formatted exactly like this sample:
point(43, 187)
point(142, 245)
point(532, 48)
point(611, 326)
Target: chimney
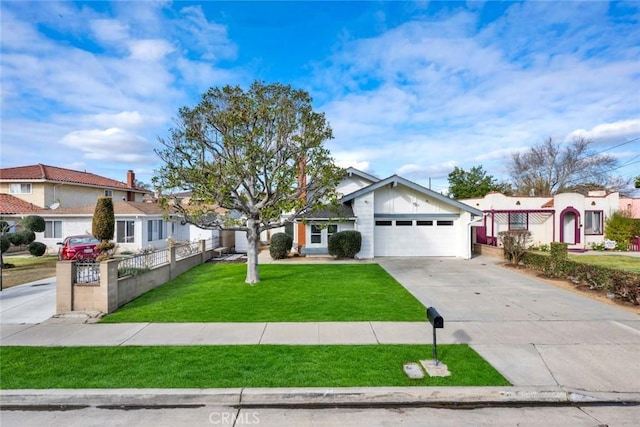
point(131, 178)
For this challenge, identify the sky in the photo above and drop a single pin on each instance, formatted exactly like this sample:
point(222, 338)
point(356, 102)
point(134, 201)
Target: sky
point(409, 88)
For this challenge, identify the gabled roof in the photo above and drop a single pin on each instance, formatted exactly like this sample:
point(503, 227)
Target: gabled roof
point(11, 205)
point(353, 171)
point(395, 180)
point(119, 208)
point(45, 173)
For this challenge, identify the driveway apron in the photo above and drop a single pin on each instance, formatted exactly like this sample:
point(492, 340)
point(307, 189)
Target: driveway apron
point(534, 333)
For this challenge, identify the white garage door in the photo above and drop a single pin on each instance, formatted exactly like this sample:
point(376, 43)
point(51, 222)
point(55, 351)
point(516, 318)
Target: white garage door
point(415, 237)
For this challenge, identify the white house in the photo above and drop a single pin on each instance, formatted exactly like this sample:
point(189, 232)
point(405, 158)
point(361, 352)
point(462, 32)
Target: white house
point(395, 216)
point(571, 218)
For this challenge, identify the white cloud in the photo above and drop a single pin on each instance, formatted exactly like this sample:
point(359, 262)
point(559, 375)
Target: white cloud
point(114, 145)
point(149, 50)
point(609, 132)
point(123, 119)
point(109, 30)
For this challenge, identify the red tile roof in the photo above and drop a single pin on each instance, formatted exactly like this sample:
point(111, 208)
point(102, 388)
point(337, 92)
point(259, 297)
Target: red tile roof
point(42, 172)
point(11, 205)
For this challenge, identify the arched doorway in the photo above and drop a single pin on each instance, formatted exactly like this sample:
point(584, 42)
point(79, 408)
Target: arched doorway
point(570, 226)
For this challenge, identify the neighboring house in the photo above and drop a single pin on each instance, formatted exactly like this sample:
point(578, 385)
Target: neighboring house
point(50, 187)
point(395, 216)
point(571, 218)
point(631, 205)
point(138, 225)
point(66, 199)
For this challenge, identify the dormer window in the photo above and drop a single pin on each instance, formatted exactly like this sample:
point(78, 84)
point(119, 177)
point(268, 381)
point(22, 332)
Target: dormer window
point(20, 188)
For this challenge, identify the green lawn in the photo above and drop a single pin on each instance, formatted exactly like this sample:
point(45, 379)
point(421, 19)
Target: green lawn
point(619, 262)
point(27, 269)
point(216, 292)
point(236, 366)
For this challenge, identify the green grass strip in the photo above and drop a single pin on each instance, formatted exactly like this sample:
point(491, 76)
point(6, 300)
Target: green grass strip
point(236, 366)
point(286, 293)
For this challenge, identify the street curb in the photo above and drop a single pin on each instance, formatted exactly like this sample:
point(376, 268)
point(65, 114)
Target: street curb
point(312, 397)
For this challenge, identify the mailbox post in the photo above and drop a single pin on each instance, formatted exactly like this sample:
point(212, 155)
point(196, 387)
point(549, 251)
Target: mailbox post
point(437, 322)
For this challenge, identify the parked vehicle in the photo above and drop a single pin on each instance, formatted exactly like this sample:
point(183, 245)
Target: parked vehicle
point(80, 248)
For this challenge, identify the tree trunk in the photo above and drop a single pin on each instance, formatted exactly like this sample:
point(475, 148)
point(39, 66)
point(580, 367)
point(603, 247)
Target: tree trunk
point(253, 238)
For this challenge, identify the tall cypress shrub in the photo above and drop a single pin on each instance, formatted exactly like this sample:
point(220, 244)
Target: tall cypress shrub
point(104, 220)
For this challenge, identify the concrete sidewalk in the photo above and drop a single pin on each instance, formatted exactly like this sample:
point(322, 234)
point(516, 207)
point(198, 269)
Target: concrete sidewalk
point(554, 346)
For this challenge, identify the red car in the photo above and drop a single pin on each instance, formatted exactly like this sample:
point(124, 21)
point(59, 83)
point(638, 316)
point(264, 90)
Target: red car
point(81, 248)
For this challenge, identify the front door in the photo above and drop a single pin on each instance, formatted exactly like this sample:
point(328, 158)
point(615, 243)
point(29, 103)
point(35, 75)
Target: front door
point(570, 226)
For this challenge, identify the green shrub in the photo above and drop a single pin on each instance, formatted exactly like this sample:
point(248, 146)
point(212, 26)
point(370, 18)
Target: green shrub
point(281, 245)
point(34, 223)
point(620, 227)
point(345, 244)
point(5, 244)
point(37, 248)
point(21, 238)
point(558, 255)
point(103, 224)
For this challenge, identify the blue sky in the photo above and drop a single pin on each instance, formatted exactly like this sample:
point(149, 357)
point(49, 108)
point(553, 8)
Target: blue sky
point(413, 88)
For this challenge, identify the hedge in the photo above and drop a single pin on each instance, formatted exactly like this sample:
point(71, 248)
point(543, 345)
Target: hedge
point(625, 285)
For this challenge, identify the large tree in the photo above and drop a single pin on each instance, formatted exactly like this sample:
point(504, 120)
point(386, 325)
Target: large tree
point(258, 153)
point(474, 183)
point(552, 167)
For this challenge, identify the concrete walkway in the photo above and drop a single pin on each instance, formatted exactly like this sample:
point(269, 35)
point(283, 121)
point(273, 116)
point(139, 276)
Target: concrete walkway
point(554, 346)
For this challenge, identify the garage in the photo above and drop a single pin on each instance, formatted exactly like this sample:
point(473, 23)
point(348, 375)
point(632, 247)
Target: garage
point(416, 237)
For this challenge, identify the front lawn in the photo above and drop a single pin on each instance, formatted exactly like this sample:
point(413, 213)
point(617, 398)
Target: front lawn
point(236, 366)
point(27, 269)
point(618, 262)
point(216, 292)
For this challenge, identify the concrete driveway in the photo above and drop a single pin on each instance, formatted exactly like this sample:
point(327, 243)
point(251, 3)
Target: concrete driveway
point(534, 333)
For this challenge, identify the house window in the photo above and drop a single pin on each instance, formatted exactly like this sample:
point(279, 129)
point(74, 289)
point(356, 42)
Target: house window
point(446, 222)
point(404, 223)
point(155, 230)
point(108, 193)
point(383, 223)
point(20, 188)
point(320, 236)
point(125, 231)
point(517, 221)
point(53, 229)
point(593, 222)
point(331, 230)
point(316, 234)
point(423, 223)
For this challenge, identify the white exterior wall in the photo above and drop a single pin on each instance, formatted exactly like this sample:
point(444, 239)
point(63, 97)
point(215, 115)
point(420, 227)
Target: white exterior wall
point(352, 184)
point(363, 209)
point(403, 200)
point(70, 227)
point(549, 230)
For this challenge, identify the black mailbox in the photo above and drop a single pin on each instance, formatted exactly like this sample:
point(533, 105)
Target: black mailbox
point(434, 318)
